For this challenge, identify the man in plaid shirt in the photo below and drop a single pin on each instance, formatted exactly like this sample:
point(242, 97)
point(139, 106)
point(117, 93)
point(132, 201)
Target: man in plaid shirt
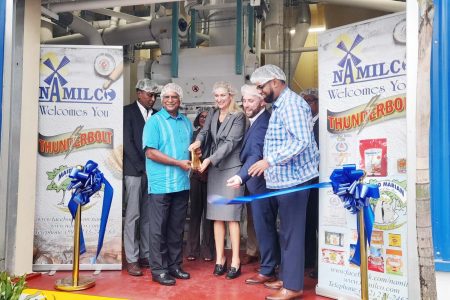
point(291, 159)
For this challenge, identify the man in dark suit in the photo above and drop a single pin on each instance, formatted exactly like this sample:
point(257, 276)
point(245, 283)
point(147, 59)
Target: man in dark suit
point(137, 207)
point(264, 211)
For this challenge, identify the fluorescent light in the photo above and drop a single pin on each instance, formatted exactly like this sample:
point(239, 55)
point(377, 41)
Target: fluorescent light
point(292, 31)
point(317, 29)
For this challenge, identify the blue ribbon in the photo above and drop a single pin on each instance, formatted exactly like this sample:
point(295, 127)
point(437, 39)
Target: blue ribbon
point(345, 183)
point(85, 183)
point(215, 199)
point(355, 195)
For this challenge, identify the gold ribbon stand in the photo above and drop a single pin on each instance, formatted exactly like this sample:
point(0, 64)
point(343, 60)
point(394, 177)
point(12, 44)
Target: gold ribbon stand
point(363, 252)
point(76, 282)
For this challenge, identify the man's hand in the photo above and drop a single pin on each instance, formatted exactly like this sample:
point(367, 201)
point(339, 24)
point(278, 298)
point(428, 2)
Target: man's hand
point(194, 145)
point(258, 168)
point(198, 152)
point(234, 182)
point(204, 165)
point(184, 164)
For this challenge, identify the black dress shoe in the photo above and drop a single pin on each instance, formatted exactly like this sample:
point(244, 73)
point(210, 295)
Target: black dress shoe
point(233, 273)
point(163, 279)
point(179, 273)
point(220, 269)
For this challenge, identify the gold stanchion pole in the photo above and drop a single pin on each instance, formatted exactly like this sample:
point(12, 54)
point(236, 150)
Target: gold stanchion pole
point(363, 252)
point(75, 283)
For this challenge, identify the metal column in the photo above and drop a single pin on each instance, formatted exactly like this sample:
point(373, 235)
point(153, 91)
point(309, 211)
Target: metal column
point(193, 35)
point(175, 43)
point(440, 136)
point(239, 22)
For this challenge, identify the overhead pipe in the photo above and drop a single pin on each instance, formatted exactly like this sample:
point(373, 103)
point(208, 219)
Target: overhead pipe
point(79, 25)
point(382, 5)
point(183, 42)
point(129, 34)
point(89, 4)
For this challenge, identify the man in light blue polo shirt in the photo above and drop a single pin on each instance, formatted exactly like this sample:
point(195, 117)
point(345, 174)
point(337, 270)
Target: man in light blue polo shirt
point(166, 138)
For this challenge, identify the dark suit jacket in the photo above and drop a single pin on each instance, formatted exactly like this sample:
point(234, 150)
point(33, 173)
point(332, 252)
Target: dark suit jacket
point(225, 142)
point(133, 155)
point(252, 151)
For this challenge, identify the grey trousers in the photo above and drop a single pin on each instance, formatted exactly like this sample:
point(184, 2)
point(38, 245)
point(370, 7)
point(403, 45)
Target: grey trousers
point(136, 231)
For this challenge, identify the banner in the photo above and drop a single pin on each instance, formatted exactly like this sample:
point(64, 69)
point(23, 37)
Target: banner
point(80, 119)
point(362, 92)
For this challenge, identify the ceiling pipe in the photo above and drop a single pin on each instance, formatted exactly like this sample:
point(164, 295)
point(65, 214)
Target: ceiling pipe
point(79, 25)
point(298, 50)
point(89, 4)
point(130, 33)
point(381, 5)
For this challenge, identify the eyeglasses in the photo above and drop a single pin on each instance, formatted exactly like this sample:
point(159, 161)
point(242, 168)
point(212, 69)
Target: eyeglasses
point(260, 87)
point(202, 117)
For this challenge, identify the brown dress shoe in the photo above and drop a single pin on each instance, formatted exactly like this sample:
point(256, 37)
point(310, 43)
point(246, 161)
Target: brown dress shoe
point(248, 259)
point(260, 279)
point(275, 285)
point(133, 269)
point(285, 294)
point(144, 263)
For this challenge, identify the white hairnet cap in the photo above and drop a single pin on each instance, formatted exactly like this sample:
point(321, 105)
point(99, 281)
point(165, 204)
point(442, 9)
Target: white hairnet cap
point(248, 90)
point(310, 91)
point(266, 73)
point(224, 85)
point(149, 86)
point(172, 87)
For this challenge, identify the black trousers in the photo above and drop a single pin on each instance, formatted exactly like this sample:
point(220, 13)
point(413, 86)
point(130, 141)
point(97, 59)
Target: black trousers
point(312, 227)
point(167, 219)
point(206, 249)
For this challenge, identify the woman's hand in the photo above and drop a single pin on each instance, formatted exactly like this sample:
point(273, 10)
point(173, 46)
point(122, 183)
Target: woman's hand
point(195, 145)
point(204, 165)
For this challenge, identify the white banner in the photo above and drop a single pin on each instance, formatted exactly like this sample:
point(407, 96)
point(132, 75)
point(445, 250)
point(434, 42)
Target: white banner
point(80, 119)
point(362, 91)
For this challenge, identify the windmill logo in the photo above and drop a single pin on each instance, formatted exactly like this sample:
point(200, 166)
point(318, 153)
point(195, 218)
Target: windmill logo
point(55, 75)
point(55, 80)
point(350, 70)
point(349, 56)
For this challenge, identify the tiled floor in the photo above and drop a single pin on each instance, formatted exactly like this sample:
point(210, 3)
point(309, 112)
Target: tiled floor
point(202, 285)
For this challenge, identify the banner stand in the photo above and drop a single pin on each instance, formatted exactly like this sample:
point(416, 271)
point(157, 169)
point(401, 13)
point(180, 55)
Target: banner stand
point(75, 283)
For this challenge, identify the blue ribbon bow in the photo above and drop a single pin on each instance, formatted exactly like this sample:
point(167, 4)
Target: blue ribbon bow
point(85, 183)
point(355, 195)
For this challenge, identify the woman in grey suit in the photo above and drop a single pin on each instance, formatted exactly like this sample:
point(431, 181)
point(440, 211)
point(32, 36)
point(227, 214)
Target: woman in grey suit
point(222, 135)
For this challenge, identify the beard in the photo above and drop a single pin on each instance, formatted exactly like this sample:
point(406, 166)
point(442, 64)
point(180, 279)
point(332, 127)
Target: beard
point(270, 97)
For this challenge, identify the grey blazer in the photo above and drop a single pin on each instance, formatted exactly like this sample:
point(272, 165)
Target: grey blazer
point(224, 144)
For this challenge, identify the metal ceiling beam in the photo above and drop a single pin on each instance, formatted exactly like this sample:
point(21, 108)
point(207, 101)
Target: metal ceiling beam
point(90, 5)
